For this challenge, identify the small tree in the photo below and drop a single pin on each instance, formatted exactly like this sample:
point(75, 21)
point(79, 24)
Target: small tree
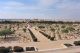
point(6, 32)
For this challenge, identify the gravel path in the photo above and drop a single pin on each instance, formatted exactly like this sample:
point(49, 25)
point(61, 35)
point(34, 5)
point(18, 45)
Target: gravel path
point(40, 37)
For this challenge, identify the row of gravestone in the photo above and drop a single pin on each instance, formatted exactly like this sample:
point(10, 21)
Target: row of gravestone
point(47, 36)
point(33, 36)
point(15, 49)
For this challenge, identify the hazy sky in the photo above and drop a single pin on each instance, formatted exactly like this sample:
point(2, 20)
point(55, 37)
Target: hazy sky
point(49, 9)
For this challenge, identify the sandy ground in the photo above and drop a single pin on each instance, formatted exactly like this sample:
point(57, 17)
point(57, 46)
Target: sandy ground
point(45, 45)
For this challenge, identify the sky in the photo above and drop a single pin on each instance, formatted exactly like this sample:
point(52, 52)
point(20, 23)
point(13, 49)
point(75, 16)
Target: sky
point(40, 9)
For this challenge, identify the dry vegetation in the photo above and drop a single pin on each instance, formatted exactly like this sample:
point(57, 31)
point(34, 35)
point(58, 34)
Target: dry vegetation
point(53, 31)
point(40, 32)
point(60, 31)
point(21, 33)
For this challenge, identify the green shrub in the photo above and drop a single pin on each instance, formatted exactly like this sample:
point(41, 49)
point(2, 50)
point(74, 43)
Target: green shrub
point(6, 32)
point(65, 31)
